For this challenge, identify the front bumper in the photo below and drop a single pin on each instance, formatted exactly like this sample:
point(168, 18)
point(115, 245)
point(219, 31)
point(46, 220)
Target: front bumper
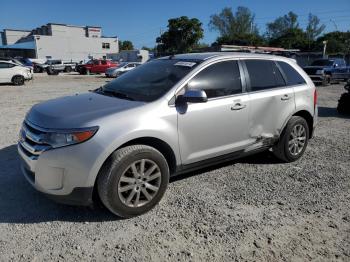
point(317, 78)
point(108, 74)
point(54, 174)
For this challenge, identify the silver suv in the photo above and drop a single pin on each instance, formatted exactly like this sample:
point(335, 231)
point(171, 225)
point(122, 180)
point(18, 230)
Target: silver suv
point(172, 115)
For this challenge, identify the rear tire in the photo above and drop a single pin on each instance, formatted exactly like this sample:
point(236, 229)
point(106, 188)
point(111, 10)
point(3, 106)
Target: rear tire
point(18, 80)
point(133, 180)
point(293, 141)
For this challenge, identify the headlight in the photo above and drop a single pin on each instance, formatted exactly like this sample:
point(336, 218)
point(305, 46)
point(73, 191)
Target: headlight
point(320, 72)
point(60, 139)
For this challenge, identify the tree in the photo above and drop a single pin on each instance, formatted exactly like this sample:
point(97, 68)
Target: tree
point(182, 36)
point(337, 42)
point(281, 24)
point(292, 38)
point(148, 48)
point(238, 28)
point(126, 45)
point(313, 30)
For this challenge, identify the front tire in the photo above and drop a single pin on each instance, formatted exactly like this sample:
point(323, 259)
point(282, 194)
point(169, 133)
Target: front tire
point(133, 180)
point(18, 80)
point(293, 140)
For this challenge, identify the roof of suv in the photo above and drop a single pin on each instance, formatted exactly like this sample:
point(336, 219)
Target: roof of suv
point(206, 56)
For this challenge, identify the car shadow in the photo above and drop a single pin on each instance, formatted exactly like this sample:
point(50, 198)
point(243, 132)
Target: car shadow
point(263, 158)
point(330, 112)
point(20, 203)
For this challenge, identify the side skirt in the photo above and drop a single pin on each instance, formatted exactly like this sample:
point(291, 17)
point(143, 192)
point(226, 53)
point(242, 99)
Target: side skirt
point(182, 169)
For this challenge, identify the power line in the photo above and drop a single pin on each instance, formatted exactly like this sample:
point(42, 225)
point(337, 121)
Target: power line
point(314, 13)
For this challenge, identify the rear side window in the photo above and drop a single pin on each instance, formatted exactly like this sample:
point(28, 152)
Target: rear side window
point(220, 79)
point(293, 77)
point(263, 75)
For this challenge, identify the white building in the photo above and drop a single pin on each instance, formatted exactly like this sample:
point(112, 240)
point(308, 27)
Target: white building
point(58, 41)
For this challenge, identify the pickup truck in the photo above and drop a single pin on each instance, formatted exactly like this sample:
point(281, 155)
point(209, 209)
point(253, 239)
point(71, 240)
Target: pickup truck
point(54, 65)
point(325, 71)
point(95, 67)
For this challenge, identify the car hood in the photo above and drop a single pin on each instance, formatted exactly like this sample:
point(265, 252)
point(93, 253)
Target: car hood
point(77, 111)
point(316, 67)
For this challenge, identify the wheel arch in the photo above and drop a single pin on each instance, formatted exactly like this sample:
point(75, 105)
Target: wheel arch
point(309, 119)
point(163, 147)
point(15, 76)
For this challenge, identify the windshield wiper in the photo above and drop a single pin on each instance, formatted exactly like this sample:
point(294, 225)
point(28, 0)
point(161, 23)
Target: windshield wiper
point(114, 93)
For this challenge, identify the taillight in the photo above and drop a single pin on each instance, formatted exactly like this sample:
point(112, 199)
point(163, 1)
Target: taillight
point(315, 98)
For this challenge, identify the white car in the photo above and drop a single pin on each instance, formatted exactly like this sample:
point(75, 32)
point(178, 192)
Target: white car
point(11, 72)
point(121, 69)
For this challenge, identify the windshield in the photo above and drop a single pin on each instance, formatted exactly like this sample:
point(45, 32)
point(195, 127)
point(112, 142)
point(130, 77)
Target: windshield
point(322, 62)
point(152, 80)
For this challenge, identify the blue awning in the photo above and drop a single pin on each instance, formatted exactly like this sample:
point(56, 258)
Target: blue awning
point(24, 45)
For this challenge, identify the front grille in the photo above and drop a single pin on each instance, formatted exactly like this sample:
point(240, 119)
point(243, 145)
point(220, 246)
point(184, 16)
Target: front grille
point(32, 140)
point(310, 71)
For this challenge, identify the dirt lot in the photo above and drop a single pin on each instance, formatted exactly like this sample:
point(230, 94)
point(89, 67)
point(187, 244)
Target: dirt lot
point(251, 209)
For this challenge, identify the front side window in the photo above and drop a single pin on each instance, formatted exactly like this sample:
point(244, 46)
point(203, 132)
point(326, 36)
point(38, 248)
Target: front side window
point(220, 79)
point(293, 77)
point(264, 74)
point(150, 81)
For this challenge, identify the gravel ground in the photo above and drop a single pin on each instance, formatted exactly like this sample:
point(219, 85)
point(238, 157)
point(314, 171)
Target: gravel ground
point(251, 209)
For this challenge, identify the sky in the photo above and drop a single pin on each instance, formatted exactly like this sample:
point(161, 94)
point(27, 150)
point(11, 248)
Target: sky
point(142, 21)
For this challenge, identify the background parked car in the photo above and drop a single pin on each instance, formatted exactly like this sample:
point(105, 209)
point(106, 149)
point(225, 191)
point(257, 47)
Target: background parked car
point(121, 69)
point(11, 72)
point(325, 70)
point(55, 65)
point(96, 67)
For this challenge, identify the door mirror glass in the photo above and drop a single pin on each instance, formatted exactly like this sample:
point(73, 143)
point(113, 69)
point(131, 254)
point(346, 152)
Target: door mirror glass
point(193, 96)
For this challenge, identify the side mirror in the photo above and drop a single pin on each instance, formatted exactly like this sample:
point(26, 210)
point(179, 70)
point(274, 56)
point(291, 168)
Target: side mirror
point(335, 65)
point(193, 96)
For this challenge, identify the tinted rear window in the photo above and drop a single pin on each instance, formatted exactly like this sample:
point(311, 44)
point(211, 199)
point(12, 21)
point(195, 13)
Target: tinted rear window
point(264, 74)
point(293, 77)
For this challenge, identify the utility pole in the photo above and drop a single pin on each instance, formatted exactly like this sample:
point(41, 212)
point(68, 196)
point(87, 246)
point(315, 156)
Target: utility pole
point(324, 48)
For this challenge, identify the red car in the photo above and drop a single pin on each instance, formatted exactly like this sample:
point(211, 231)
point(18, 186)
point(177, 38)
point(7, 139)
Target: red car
point(96, 67)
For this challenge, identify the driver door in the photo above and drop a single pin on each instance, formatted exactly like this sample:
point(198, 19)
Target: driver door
point(218, 126)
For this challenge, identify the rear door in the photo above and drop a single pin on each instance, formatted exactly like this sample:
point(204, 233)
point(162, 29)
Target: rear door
point(6, 72)
point(271, 101)
point(219, 126)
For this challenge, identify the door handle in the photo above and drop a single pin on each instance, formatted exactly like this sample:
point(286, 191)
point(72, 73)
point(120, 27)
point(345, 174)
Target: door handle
point(285, 97)
point(238, 106)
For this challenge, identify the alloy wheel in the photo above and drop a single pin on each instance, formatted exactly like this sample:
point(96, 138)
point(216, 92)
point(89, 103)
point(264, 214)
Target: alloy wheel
point(139, 183)
point(297, 140)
